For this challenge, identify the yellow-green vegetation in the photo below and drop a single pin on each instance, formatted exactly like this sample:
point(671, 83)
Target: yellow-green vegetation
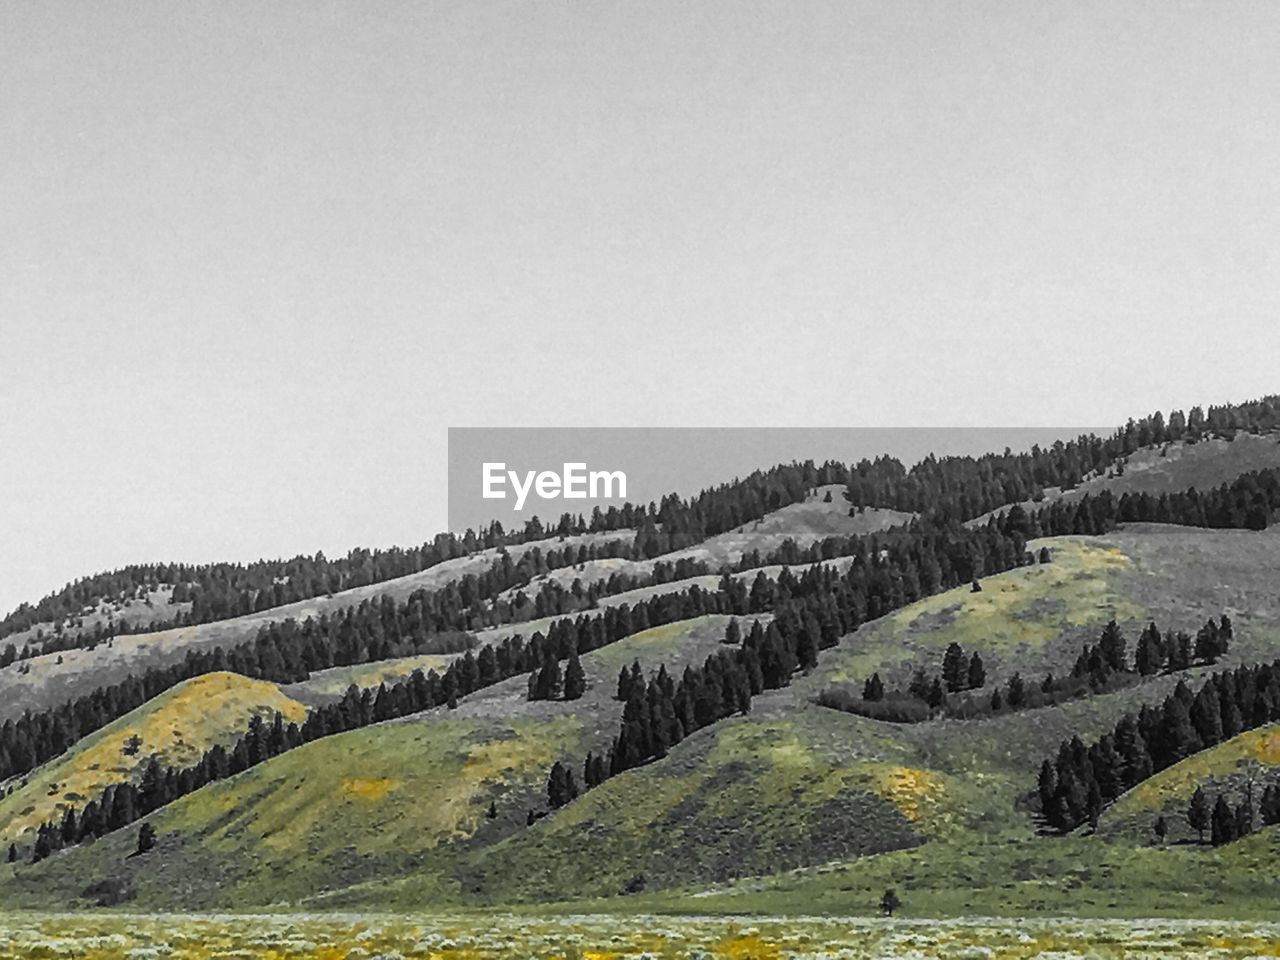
point(1017, 614)
point(614, 937)
point(331, 684)
point(746, 797)
point(366, 802)
point(177, 727)
point(1230, 763)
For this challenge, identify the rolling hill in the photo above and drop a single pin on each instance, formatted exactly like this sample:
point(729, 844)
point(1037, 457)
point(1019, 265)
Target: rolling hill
point(787, 807)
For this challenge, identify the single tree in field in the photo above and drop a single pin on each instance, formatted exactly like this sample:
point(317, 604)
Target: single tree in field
point(1198, 813)
point(975, 587)
point(889, 902)
point(1044, 555)
point(146, 838)
point(492, 812)
point(733, 633)
point(1160, 829)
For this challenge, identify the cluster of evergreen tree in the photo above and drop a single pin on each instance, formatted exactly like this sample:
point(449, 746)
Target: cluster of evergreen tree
point(1226, 821)
point(1158, 653)
point(888, 570)
point(223, 590)
point(546, 683)
point(123, 803)
point(962, 487)
point(564, 639)
point(661, 711)
point(968, 487)
point(220, 590)
point(810, 611)
point(288, 651)
point(1076, 785)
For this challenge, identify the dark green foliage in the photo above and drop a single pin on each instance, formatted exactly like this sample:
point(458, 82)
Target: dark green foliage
point(891, 709)
point(146, 838)
point(575, 679)
point(873, 689)
point(562, 786)
point(955, 668)
point(889, 902)
point(976, 674)
point(967, 487)
point(1159, 736)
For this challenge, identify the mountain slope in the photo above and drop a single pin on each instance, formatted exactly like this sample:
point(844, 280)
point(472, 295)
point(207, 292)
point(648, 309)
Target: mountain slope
point(176, 727)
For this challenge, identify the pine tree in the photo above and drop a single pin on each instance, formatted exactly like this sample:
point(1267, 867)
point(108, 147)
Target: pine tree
point(977, 673)
point(575, 679)
point(1222, 824)
point(1160, 829)
point(889, 902)
point(1198, 813)
point(1017, 693)
point(919, 685)
point(873, 689)
point(954, 668)
point(1112, 646)
point(936, 696)
point(146, 838)
point(1206, 643)
point(1149, 657)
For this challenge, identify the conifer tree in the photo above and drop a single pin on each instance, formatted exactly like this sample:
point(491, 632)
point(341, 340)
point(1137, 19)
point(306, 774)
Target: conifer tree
point(575, 679)
point(976, 677)
point(873, 689)
point(1198, 813)
point(146, 838)
point(954, 668)
point(1222, 824)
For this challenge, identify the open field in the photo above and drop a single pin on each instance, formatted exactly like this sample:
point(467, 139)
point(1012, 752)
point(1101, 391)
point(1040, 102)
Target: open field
point(604, 937)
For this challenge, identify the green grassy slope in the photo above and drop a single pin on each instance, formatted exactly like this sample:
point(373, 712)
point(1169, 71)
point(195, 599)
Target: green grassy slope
point(393, 816)
point(177, 727)
point(408, 795)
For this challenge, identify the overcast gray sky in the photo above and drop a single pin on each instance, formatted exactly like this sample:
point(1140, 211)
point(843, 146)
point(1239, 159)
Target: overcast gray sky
point(255, 258)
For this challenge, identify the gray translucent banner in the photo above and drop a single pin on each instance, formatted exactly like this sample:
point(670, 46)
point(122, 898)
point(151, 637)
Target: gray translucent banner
point(543, 469)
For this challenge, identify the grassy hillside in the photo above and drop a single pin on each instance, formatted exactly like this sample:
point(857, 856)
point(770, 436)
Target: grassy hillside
point(325, 686)
point(395, 815)
point(177, 727)
point(1228, 768)
point(57, 677)
point(1174, 467)
point(382, 801)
